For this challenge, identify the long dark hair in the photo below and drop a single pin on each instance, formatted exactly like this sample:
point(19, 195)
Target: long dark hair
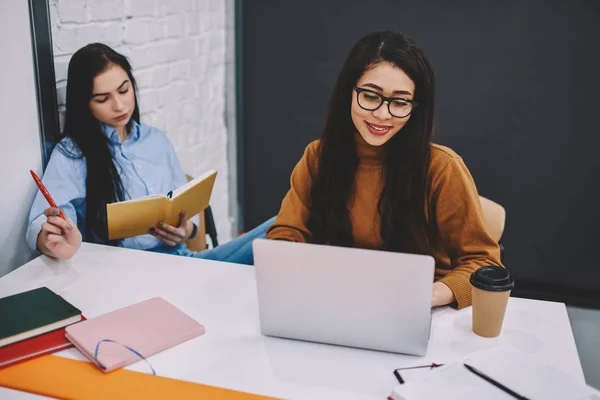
point(404, 225)
point(103, 183)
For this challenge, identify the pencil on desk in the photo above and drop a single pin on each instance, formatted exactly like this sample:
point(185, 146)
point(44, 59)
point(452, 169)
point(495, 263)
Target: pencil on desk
point(495, 383)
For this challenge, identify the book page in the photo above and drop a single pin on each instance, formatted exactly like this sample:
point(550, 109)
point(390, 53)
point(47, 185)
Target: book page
point(150, 197)
point(194, 199)
point(177, 192)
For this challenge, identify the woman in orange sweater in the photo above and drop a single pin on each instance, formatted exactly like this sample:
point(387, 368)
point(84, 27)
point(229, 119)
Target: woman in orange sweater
point(376, 181)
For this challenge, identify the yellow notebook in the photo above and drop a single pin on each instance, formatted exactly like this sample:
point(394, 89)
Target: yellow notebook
point(135, 217)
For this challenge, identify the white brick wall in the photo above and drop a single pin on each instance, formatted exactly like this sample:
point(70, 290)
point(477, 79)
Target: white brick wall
point(178, 51)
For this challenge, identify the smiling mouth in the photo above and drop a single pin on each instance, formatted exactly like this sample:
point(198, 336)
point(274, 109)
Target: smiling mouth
point(378, 129)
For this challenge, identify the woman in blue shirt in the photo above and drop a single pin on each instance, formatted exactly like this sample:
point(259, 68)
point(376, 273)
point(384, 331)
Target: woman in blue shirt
point(107, 156)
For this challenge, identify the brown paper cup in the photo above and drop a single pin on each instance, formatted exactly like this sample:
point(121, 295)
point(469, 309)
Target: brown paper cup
point(488, 311)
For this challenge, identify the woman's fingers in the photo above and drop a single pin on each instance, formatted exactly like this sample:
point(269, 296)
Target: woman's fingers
point(67, 226)
point(51, 229)
point(61, 223)
point(182, 219)
point(50, 211)
point(52, 238)
point(165, 241)
point(165, 237)
point(178, 233)
point(169, 234)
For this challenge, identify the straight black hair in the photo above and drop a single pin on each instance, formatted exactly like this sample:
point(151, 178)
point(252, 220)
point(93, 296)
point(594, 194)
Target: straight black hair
point(407, 157)
point(103, 183)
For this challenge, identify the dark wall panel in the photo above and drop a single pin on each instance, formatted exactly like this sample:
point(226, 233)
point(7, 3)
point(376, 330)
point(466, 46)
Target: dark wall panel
point(518, 98)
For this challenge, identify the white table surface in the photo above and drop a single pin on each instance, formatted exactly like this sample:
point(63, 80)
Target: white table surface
point(233, 353)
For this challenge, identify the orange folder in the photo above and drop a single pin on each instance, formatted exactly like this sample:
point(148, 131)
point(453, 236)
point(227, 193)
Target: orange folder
point(64, 378)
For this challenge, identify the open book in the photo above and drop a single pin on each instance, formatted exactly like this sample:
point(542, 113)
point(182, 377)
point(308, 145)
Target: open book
point(135, 217)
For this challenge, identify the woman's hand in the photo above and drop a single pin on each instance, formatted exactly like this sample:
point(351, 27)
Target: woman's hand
point(173, 235)
point(441, 295)
point(58, 238)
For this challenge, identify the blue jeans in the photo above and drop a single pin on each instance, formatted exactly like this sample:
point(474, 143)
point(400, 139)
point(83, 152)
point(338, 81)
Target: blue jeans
point(238, 251)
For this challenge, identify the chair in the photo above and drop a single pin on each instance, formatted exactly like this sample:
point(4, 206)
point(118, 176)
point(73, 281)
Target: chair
point(494, 216)
point(206, 227)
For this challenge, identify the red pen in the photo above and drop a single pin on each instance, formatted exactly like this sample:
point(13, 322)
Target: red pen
point(47, 195)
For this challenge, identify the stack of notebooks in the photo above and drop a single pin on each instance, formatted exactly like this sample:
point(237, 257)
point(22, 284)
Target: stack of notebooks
point(40, 322)
point(33, 323)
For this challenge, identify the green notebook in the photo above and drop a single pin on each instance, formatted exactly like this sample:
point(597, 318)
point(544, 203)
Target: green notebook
point(33, 313)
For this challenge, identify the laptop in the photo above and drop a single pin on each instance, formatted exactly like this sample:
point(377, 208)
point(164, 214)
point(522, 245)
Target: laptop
point(361, 298)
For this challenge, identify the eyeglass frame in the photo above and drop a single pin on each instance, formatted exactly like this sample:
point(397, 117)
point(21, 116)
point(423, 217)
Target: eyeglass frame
point(401, 380)
point(383, 98)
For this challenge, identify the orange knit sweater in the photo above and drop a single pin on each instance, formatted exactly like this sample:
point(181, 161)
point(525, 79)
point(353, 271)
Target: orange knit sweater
point(461, 243)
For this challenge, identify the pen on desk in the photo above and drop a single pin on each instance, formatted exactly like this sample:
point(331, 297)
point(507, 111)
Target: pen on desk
point(44, 191)
point(495, 382)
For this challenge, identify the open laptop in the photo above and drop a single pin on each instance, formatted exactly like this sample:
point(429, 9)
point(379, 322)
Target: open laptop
point(353, 297)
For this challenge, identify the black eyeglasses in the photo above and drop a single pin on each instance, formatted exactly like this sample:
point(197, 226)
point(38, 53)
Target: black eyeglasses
point(371, 101)
point(401, 379)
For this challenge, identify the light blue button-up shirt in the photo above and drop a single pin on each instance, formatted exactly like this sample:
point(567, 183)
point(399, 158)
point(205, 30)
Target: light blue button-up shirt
point(147, 164)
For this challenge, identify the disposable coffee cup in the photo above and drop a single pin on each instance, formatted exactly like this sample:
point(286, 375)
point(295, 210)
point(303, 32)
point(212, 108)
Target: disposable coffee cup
point(491, 289)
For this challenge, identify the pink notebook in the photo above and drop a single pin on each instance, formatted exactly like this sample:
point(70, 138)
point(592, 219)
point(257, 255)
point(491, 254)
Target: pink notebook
point(147, 327)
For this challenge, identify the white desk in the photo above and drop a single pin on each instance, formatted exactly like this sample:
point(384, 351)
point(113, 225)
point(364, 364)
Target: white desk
point(233, 354)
